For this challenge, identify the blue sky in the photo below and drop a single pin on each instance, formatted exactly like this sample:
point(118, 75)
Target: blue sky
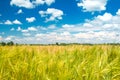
point(69, 21)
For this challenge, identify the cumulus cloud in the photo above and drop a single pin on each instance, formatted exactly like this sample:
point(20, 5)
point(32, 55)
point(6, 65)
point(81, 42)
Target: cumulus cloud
point(26, 34)
point(51, 27)
point(93, 5)
point(118, 12)
point(8, 22)
point(66, 33)
point(19, 29)
point(105, 17)
point(54, 37)
point(41, 2)
point(100, 29)
point(95, 35)
point(31, 19)
point(30, 4)
point(9, 38)
point(32, 29)
point(22, 3)
point(105, 22)
point(26, 30)
point(16, 22)
point(55, 14)
point(12, 29)
point(20, 11)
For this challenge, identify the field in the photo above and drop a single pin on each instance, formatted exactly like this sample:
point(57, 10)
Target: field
point(72, 62)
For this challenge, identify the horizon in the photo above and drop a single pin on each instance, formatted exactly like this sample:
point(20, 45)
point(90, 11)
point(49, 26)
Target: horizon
point(51, 21)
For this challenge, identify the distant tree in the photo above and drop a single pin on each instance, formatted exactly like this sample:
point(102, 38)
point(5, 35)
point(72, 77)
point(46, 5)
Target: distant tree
point(57, 43)
point(16, 44)
point(2, 43)
point(63, 44)
point(10, 43)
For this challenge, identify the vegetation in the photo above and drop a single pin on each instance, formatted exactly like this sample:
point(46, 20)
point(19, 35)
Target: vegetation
point(72, 62)
point(2, 43)
point(11, 43)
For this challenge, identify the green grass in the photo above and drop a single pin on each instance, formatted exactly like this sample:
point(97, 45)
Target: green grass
point(73, 62)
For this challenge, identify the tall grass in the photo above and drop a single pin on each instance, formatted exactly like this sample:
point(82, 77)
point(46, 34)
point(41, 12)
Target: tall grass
point(73, 62)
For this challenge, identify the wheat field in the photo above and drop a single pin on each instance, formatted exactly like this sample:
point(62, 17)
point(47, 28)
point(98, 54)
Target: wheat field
point(72, 62)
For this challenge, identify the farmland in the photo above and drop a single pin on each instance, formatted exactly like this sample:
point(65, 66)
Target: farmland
point(71, 62)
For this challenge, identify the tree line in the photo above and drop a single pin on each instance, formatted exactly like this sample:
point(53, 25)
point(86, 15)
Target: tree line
point(11, 43)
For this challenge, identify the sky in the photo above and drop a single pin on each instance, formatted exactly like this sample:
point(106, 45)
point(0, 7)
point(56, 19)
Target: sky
point(63, 21)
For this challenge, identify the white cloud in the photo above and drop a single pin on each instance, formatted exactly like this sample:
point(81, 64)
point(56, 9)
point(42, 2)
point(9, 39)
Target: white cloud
point(97, 37)
point(30, 4)
point(9, 38)
point(42, 28)
point(53, 37)
point(8, 22)
point(38, 35)
point(51, 27)
point(17, 22)
point(26, 34)
point(100, 29)
point(105, 22)
point(24, 31)
point(55, 14)
point(93, 5)
point(68, 26)
point(19, 11)
point(12, 29)
point(41, 2)
point(19, 29)
point(31, 19)
point(66, 33)
point(92, 35)
point(22, 3)
point(105, 17)
point(32, 29)
point(118, 12)
point(49, 2)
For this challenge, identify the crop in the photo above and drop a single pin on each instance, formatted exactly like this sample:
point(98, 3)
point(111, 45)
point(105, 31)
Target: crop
point(72, 62)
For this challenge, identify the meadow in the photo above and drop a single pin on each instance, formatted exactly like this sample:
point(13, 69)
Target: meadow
point(72, 62)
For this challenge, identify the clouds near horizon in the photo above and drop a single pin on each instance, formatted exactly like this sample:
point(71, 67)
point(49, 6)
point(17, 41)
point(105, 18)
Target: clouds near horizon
point(51, 21)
